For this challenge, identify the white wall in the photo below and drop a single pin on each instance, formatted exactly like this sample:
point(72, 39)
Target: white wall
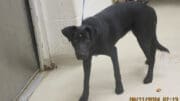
point(57, 14)
point(53, 15)
point(94, 6)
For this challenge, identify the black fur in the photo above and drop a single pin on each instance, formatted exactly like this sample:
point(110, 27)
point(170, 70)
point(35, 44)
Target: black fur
point(99, 34)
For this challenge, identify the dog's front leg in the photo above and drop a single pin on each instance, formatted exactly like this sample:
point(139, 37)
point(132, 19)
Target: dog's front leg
point(87, 70)
point(117, 75)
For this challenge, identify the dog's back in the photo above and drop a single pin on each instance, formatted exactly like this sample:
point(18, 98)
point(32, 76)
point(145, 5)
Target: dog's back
point(119, 18)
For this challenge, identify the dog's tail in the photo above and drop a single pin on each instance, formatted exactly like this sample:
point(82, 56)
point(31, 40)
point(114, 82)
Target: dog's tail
point(161, 47)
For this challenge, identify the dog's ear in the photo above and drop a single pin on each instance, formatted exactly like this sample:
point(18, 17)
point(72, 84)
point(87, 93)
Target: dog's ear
point(69, 32)
point(91, 31)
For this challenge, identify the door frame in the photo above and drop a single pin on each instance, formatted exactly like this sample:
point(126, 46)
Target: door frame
point(39, 43)
point(40, 34)
point(32, 31)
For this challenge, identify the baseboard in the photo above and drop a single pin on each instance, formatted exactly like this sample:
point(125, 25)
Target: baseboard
point(31, 86)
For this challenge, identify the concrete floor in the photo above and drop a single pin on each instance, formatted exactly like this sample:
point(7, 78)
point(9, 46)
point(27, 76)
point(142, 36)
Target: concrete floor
point(65, 83)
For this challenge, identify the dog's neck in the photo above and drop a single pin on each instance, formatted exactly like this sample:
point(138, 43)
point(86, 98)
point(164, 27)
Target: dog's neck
point(95, 24)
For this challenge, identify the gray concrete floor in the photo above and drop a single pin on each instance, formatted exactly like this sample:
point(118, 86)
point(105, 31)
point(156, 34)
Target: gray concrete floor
point(65, 83)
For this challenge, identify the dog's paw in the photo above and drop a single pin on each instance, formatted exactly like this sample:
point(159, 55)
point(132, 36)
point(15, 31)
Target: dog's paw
point(83, 98)
point(119, 91)
point(148, 80)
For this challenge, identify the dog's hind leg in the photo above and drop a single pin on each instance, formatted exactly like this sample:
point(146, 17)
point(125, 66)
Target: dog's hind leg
point(148, 45)
point(114, 57)
point(87, 70)
point(149, 49)
point(151, 61)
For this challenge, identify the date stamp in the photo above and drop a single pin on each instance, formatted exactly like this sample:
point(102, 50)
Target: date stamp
point(154, 99)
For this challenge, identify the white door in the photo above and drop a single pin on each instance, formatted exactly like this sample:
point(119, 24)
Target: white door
point(18, 60)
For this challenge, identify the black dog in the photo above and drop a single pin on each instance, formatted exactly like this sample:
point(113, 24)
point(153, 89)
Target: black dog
point(99, 34)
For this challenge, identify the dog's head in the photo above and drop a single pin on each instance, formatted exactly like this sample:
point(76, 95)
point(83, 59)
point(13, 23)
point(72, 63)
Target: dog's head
point(81, 39)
